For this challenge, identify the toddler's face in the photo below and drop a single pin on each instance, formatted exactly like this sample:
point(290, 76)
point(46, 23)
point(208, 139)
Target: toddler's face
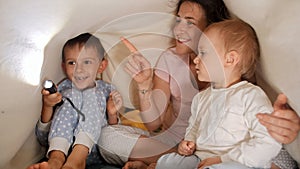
point(190, 21)
point(209, 62)
point(81, 66)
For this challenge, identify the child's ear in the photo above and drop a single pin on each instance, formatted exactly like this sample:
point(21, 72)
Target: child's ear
point(232, 58)
point(102, 65)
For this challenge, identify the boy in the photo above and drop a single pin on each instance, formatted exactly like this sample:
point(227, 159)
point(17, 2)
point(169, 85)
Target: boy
point(223, 130)
point(83, 112)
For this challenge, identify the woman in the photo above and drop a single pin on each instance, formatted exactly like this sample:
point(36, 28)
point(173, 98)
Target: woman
point(173, 82)
point(173, 88)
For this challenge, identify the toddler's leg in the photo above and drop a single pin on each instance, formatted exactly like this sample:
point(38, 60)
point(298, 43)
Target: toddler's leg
point(284, 161)
point(174, 160)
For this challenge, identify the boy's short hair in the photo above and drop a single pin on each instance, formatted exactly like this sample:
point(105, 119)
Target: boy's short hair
point(87, 40)
point(241, 37)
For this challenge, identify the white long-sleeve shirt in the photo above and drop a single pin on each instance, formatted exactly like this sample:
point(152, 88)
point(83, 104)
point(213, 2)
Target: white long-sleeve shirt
point(223, 123)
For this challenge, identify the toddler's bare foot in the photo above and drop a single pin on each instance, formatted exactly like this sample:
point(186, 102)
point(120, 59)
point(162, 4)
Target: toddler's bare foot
point(135, 165)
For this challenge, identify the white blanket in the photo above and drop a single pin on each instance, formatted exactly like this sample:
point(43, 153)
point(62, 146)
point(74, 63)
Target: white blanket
point(33, 33)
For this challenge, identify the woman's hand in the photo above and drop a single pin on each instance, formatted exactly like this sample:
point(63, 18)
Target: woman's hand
point(138, 67)
point(283, 123)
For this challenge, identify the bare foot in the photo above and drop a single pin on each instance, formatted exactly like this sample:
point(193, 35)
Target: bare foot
point(151, 166)
point(42, 165)
point(135, 165)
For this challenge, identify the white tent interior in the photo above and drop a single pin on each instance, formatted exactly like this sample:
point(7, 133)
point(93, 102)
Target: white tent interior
point(33, 33)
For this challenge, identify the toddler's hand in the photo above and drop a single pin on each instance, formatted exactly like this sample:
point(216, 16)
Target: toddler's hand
point(186, 148)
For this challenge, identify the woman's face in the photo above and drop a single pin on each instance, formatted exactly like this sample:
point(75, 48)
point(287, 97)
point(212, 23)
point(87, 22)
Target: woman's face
point(190, 22)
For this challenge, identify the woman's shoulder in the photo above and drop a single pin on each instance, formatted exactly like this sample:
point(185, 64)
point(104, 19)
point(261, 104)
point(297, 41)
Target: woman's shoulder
point(169, 57)
point(168, 52)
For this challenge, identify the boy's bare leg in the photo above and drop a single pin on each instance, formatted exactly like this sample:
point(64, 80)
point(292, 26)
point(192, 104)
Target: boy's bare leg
point(56, 161)
point(42, 165)
point(77, 158)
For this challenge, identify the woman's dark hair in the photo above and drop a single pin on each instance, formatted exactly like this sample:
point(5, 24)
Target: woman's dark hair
point(85, 39)
point(215, 10)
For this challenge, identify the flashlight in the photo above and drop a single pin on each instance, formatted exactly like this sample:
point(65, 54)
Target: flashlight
point(50, 86)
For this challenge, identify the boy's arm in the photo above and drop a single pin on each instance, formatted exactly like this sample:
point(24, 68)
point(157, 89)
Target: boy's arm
point(41, 132)
point(43, 125)
point(49, 101)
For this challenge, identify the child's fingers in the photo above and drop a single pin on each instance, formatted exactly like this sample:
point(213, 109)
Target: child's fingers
point(115, 93)
point(129, 45)
point(45, 92)
point(116, 96)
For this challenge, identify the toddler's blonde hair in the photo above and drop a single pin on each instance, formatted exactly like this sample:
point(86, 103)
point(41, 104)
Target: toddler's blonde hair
point(239, 36)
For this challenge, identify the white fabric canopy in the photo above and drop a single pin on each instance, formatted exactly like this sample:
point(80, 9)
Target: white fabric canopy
point(33, 33)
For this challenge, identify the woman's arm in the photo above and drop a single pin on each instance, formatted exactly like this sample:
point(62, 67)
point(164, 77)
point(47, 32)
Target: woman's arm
point(154, 93)
point(43, 125)
point(154, 103)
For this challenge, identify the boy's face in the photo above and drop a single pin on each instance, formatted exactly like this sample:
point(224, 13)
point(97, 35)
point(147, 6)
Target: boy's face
point(81, 66)
point(209, 62)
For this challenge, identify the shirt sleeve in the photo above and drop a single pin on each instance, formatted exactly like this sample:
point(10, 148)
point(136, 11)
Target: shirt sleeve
point(191, 131)
point(261, 147)
point(41, 132)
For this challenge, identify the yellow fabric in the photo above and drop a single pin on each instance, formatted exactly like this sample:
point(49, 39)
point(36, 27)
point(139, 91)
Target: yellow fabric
point(132, 118)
